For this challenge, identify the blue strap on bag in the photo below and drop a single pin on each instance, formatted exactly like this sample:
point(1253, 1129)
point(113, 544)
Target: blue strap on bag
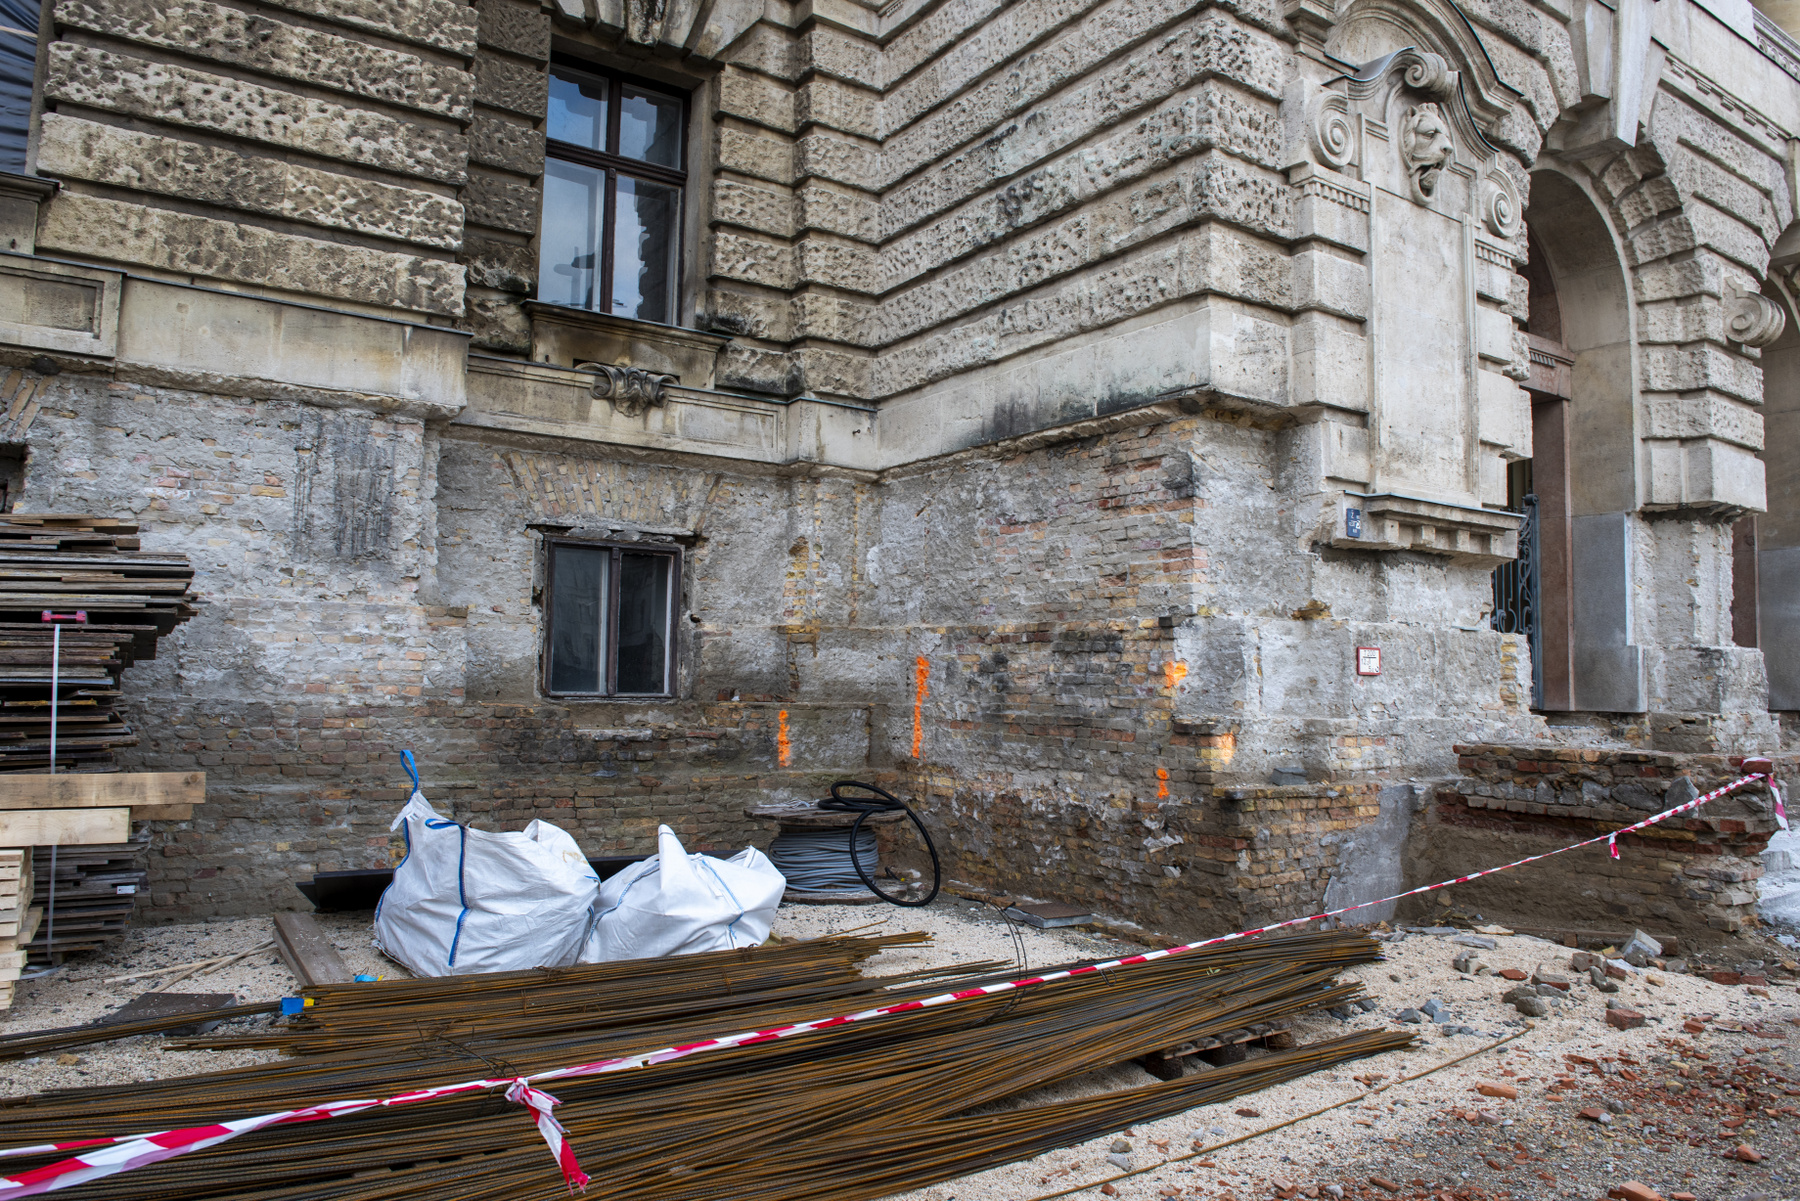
point(462, 854)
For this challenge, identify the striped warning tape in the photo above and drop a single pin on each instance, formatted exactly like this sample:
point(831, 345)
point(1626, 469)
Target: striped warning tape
point(123, 1153)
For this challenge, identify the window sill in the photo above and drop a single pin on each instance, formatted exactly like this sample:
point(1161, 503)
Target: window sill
point(564, 336)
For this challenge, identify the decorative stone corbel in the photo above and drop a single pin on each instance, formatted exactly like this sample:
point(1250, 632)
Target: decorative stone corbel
point(1616, 70)
point(1427, 72)
point(1311, 20)
point(1750, 317)
point(1425, 146)
point(631, 390)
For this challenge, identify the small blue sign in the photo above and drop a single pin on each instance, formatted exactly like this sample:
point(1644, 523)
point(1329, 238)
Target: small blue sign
point(1353, 522)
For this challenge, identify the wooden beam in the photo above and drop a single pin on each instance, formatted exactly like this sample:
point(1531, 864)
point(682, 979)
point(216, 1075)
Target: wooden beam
point(63, 827)
point(307, 952)
point(102, 790)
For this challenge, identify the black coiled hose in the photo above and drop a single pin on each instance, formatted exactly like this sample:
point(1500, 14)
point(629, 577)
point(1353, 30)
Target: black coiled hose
point(883, 801)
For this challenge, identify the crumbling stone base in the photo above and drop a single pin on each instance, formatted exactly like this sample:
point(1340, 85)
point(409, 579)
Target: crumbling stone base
point(1694, 877)
point(1220, 861)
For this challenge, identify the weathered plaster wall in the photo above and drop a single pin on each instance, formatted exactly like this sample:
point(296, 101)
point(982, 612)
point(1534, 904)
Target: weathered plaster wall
point(369, 586)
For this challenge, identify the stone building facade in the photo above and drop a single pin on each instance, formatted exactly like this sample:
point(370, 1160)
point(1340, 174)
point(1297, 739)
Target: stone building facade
point(1104, 419)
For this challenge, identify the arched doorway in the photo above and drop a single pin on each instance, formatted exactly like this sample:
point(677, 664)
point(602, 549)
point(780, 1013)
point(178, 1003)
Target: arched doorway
point(1582, 475)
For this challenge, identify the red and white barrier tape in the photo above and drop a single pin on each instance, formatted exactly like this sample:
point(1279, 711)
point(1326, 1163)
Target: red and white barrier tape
point(125, 1152)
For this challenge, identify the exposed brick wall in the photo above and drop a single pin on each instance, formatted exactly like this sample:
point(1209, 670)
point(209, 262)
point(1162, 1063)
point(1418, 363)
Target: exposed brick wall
point(1211, 862)
point(1693, 876)
point(295, 789)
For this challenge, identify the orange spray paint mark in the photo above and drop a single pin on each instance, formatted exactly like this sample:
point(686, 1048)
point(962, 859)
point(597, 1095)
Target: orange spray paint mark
point(784, 750)
point(1174, 673)
point(1162, 783)
point(921, 672)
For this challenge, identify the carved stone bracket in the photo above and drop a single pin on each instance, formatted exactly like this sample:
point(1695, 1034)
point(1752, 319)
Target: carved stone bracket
point(1310, 19)
point(1750, 317)
point(631, 390)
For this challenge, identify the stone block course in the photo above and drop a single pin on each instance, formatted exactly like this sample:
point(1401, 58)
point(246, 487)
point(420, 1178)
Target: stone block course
point(507, 84)
point(78, 149)
point(294, 52)
point(501, 202)
point(506, 143)
point(151, 91)
point(104, 228)
point(515, 28)
point(445, 25)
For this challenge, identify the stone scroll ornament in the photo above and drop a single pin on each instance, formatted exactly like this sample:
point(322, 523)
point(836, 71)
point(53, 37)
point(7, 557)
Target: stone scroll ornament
point(1501, 211)
point(1334, 141)
point(631, 390)
point(1751, 318)
point(107, 1155)
point(1425, 147)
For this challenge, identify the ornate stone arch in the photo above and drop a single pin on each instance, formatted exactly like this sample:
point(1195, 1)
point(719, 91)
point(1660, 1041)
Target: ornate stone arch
point(701, 28)
point(1371, 29)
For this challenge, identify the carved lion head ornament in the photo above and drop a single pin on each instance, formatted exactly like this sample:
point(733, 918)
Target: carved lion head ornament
point(1426, 148)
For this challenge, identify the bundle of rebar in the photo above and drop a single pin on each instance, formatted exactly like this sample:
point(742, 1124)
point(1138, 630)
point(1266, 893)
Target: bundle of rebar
point(852, 1111)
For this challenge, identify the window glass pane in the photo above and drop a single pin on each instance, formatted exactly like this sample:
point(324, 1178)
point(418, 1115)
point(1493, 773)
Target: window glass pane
point(650, 127)
point(643, 622)
point(577, 110)
point(569, 238)
point(645, 238)
point(18, 64)
point(578, 596)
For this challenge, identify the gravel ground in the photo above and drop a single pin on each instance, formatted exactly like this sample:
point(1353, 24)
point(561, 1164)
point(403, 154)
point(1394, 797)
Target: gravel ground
point(77, 993)
point(1438, 1137)
point(1681, 1101)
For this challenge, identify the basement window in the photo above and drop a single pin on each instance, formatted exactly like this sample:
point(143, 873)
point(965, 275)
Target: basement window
point(610, 620)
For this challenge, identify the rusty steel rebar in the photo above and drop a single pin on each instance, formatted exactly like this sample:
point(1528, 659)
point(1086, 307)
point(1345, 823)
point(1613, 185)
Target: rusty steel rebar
point(846, 1113)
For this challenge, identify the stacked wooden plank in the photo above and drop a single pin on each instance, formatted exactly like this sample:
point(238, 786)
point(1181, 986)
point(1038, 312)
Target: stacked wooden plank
point(66, 564)
point(88, 893)
point(19, 917)
point(88, 872)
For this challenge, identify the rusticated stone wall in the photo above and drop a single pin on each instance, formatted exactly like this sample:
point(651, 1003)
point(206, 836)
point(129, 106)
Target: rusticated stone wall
point(315, 149)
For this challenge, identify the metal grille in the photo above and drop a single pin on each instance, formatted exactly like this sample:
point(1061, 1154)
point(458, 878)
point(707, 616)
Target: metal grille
point(1516, 597)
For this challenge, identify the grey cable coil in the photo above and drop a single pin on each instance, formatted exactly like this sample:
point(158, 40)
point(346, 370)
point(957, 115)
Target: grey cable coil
point(819, 860)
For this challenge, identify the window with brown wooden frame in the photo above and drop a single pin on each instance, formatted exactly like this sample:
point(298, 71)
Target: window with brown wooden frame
point(614, 176)
point(609, 618)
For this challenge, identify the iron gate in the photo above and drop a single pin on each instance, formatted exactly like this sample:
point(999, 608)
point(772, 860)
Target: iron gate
point(1516, 597)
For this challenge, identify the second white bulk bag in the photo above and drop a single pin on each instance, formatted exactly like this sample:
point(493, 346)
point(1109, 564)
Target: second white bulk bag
point(675, 903)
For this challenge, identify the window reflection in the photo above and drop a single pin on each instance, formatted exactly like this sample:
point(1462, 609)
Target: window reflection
point(610, 237)
point(577, 110)
point(650, 128)
point(644, 239)
point(574, 199)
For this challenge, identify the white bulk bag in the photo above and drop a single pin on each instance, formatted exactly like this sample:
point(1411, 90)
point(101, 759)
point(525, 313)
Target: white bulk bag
point(675, 903)
point(466, 901)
